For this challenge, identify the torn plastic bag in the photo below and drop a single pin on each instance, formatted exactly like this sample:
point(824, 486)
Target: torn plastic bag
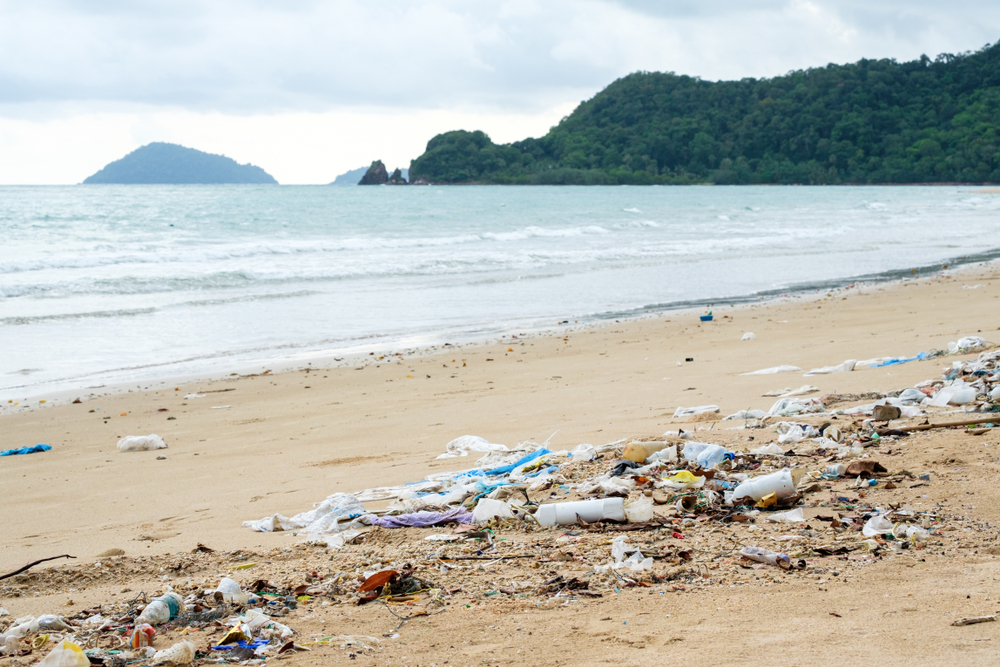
point(877, 525)
point(762, 555)
point(338, 512)
point(461, 446)
point(65, 654)
point(424, 519)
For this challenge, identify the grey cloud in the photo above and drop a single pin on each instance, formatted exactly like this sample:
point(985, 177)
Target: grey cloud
point(253, 56)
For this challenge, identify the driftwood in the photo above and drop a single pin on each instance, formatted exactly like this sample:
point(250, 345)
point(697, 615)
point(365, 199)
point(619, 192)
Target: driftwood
point(964, 422)
point(33, 564)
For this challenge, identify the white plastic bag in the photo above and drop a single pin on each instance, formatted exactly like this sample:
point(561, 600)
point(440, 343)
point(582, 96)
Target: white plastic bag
point(181, 653)
point(762, 555)
point(487, 509)
point(461, 446)
point(791, 516)
point(877, 525)
point(966, 343)
point(639, 510)
point(845, 367)
point(774, 370)
point(141, 443)
point(697, 410)
point(65, 654)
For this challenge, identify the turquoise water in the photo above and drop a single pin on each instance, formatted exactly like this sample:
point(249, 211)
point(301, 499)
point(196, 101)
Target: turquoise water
point(102, 284)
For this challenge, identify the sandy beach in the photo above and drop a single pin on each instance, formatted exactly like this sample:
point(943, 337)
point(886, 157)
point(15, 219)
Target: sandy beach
point(280, 442)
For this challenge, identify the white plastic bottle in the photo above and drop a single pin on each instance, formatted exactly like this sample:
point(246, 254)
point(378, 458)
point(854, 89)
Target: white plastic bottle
point(161, 609)
point(665, 455)
point(779, 483)
point(563, 514)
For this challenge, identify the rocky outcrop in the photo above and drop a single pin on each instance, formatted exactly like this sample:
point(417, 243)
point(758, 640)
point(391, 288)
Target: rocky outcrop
point(376, 174)
point(396, 178)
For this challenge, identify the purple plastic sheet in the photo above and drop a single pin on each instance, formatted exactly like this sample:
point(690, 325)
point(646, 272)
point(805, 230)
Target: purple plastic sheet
point(424, 519)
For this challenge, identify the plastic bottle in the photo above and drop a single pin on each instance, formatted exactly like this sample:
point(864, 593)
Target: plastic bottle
point(667, 455)
point(705, 454)
point(562, 514)
point(161, 609)
point(779, 483)
point(640, 451)
point(835, 470)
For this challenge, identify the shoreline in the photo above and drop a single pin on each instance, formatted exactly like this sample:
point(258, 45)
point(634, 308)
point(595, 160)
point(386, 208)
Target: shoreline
point(352, 355)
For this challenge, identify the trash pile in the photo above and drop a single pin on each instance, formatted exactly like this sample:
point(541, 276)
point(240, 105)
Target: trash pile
point(116, 634)
point(768, 499)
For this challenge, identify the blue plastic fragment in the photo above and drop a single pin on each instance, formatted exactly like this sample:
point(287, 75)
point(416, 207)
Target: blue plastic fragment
point(503, 470)
point(25, 450)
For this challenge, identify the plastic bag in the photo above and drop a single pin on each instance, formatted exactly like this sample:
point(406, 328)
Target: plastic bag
point(487, 509)
point(774, 369)
point(791, 516)
point(181, 653)
point(762, 555)
point(583, 452)
point(639, 510)
point(744, 415)
point(461, 446)
point(767, 449)
point(877, 525)
point(338, 512)
point(66, 654)
point(697, 410)
point(141, 443)
point(845, 367)
point(966, 343)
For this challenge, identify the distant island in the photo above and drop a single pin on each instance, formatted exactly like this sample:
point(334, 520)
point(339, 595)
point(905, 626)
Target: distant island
point(162, 163)
point(873, 121)
point(354, 176)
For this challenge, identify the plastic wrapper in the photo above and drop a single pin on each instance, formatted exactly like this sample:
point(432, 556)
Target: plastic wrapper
point(141, 443)
point(65, 654)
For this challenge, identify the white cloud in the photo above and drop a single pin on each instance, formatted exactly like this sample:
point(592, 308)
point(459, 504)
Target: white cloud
point(293, 147)
point(309, 88)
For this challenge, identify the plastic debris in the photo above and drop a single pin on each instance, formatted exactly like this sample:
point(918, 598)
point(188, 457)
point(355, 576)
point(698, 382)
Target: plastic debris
point(34, 449)
point(141, 443)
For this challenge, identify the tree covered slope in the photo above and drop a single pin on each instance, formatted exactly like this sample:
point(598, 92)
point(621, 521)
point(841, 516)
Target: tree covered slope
point(874, 121)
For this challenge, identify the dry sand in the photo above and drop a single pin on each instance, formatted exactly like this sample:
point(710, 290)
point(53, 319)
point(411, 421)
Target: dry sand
point(288, 440)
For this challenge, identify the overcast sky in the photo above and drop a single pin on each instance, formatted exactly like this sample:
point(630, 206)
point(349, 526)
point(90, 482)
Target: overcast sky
point(308, 89)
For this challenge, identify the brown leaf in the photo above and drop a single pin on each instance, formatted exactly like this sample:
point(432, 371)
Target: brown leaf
point(378, 580)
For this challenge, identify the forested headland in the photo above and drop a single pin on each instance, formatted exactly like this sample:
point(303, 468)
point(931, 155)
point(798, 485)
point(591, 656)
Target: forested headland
point(873, 121)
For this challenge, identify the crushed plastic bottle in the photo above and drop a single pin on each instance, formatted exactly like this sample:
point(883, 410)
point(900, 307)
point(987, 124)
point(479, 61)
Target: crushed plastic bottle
point(161, 609)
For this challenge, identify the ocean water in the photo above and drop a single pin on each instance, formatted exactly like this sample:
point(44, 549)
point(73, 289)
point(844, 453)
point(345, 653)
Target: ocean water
point(112, 284)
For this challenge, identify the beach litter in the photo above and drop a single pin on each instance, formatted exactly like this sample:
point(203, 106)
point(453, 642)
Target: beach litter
point(33, 449)
point(531, 525)
point(141, 443)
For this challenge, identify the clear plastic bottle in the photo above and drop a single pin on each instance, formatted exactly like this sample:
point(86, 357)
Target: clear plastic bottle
point(836, 470)
point(161, 609)
point(704, 454)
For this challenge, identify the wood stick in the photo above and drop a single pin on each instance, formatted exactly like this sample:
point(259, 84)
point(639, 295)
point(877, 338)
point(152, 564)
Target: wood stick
point(33, 564)
point(967, 422)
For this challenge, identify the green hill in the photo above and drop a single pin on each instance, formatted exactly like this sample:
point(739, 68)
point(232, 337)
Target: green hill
point(172, 164)
point(874, 121)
